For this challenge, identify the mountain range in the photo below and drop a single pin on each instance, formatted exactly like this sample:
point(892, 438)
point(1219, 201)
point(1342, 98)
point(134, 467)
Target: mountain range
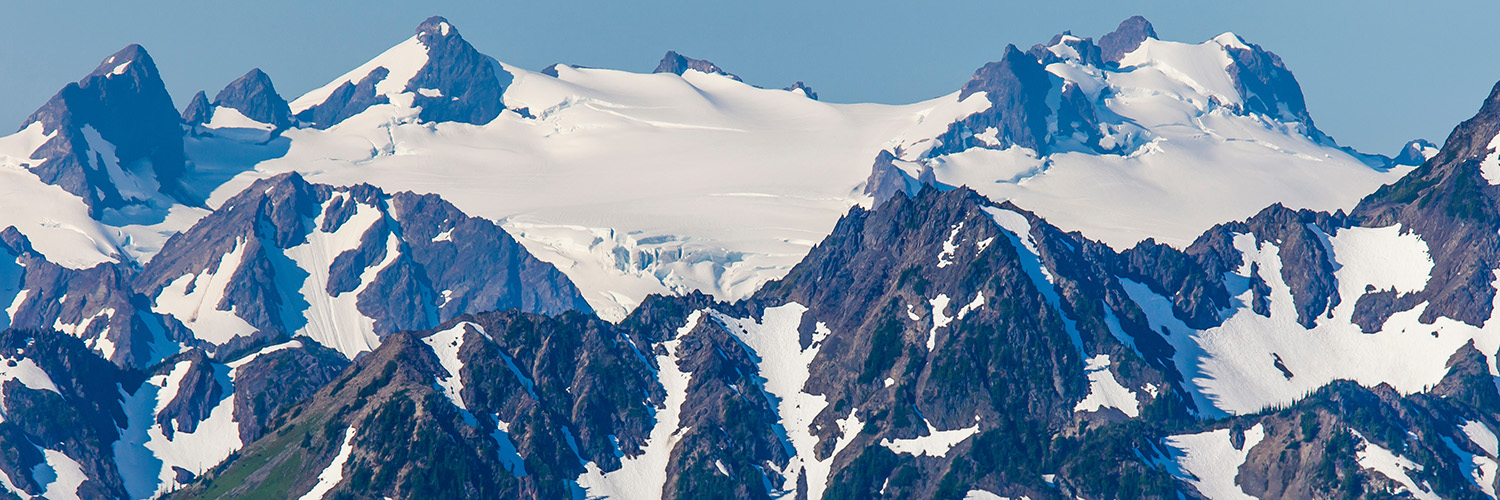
point(1112, 268)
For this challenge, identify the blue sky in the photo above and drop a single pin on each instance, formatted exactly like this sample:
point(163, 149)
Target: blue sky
point(1376, 73)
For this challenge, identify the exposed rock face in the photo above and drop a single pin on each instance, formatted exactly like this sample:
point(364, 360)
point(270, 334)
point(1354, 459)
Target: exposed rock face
point(274, 382)
point(1016, 87)
point(1266, 87)
point(411, 262)
point(1454, 208)
point(887, 181)
point(1125, 39)
point(198, 110)
point(198, 392)
point(97, 305)
point(1415, 153)
point(254, 96)
point(468, 84)
point(678, 64)
point(122, 107)
point(80, 419)
point(806, 90)
point(347, 100)
point(456, 84)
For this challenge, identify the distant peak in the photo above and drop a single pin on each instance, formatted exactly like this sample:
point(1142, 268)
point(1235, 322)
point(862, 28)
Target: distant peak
point(255, 96)
point(198, 110)
point(122, 61)
point(436, 26)
point(1231, 40)
point(678, 64)
point(802, 87)
point(1126, 38)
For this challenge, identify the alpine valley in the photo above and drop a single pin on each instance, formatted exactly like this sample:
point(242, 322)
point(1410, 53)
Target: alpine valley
point(1102, 268)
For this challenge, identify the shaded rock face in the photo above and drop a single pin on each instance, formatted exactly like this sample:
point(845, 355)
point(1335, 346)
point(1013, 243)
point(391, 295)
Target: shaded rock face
point(413, 262)
point(1125, 39)
point(1449, 203)
point(198, 110)
point(558, 391)
point(456, 84)
point(254, 96)
point(1414, 153)
point(678, 64)
point(913, 349)
point(1192, 277)
point(274, 382)
point(347, 100)
point(124, 103)
point(806, 90)
point(1267, 87)
point(468, 83)
point(199, 390)
point(1311, 449)
point(81, 419)
point(1016, 87)
point(97, 305)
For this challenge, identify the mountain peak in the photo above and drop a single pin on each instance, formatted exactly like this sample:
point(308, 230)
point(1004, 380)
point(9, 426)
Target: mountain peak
point(1126, 38)
point(436, 26)
point(255, 97)
point(133, 56)
point(678, 64)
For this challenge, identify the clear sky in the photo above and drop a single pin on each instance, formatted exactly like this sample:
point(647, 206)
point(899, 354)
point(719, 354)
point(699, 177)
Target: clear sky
point(1376, 73)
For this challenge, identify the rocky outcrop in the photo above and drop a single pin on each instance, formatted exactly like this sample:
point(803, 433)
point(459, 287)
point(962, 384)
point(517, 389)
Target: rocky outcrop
point(80, 419)
point(678, 64)
point(254, 96)
point(458, 84)
point(346, 100)
point(802, 87)
point(1016, 87)
point(123, 107)
point(1449, 203)
point(198, 110)
point(1125, 39)
point(411, 261)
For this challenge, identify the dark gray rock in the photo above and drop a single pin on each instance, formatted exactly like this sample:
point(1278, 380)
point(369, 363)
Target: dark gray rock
point(348, 99)
point(1016, 87)
point(125, 101)
point(198, 111)
point(806, 90)
point(199, 391)
point(1266, 87)
point(887, 181)
point(1453, 208)
point(1125, 39)
point(254, 96)
point(274, 382)
point(468, 83)
point(82, 419)
point(475, 267)
point(678, 64)
point(1413, 153)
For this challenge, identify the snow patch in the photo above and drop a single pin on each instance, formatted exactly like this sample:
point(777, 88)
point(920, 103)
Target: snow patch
point(1209, 461)
point(643, 476)
point(195, 299)
point(446, 345)
point(334, 474)
point(935, 444)
point(1394, 467)
point(1105, 391)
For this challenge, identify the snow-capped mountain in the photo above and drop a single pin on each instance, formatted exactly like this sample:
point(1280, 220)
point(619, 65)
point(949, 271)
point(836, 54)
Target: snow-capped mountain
point(689, 179)
point(1124, 269)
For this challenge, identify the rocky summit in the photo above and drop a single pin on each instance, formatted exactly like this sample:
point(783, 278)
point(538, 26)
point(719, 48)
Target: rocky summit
point(1103, 268)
